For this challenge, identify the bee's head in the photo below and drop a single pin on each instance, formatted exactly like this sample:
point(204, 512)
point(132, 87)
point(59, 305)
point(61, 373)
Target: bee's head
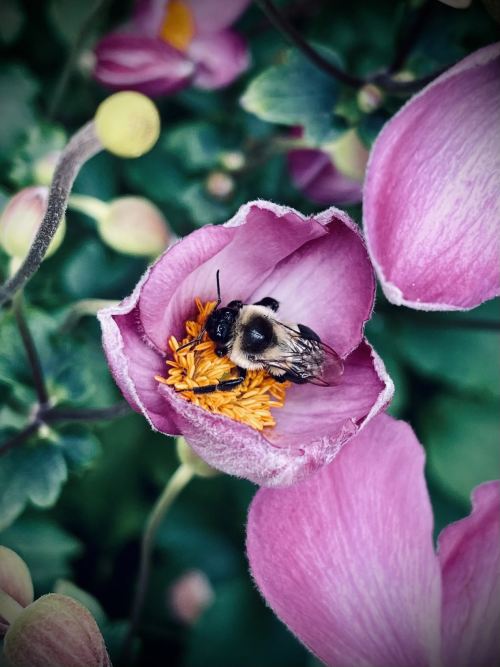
point(220, 323)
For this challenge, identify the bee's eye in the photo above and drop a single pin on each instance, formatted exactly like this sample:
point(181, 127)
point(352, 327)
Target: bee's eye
point(220, 324)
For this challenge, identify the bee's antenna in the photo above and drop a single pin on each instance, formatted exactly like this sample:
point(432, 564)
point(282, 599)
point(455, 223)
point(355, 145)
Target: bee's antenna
point(219, 300)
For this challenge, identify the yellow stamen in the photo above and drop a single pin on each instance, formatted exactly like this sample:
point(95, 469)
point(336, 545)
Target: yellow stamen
point(178, 25)
point(199, 366)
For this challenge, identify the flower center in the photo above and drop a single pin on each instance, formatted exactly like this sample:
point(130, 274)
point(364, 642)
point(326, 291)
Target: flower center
point(178, 25)
point(199, 366)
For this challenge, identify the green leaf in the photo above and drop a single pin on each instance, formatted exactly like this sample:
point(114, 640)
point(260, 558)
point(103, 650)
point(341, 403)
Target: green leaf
point(40, 141)
point(11, 20)
point(203, 209)
point(461, 437)
point(32, 473)
point(370, 126)
point(197, 145)
point(46, 548)
point(80, 448)
point(460, 357)
point(17, 93)
point(295, 93)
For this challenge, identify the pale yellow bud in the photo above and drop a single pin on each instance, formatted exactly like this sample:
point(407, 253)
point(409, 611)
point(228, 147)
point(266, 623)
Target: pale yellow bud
point(369, 98)
point(219, 185)
point(15, 580)
point(44, 168)
point(127, 124)
point(232, 160)
point(21, 219)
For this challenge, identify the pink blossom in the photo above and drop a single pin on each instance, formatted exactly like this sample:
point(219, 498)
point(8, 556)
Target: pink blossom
point(431, 197)
point(346, 560)
point(170, 44)
point(318, 269)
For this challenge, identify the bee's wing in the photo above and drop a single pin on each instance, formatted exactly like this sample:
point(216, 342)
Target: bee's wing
point(294, 360)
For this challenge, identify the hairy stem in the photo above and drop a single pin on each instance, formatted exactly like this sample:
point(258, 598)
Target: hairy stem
point(174, 486)
point(31, 351)
point(83, 145)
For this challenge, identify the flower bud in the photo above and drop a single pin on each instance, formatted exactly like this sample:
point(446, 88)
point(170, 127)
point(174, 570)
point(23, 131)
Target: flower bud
point(21, 219)
point(232, 160)
point(189, 458)
point(44, 168)
point(190, 595)
point(219, 184)
point(127, 124)
point(457, 4)
point(134, 226)
point(348, 155)
point(55, 631)
point(369, 98)
point(15, 580)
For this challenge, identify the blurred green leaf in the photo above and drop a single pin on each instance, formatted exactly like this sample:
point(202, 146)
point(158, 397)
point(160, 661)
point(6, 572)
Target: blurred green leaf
point(17, 93)
point(40, 142)
point(11, 20)
point(370, 126)
point(295, 93)
point(204, 209)
point(197, 145)
point(461, 437)
point(461, 357)
point(32, 473)
point(46, 548)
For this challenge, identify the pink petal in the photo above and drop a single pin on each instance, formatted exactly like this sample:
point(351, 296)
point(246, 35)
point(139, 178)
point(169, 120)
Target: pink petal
point(134, 363)
point(431, 199)
point(469, 553)
point(246, 250)
point(221, 57)
point(215, 15)
point(346, 559)
point(313, 173)
point(150, 66)
point(149, 16)
point(327, 284)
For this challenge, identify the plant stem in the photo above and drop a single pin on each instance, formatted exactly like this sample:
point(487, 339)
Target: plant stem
point(174, 486)
point(72, 58)
point(9, 608)
point(86, 414)
point(82, 146)
point(84, 307)
point(20, 437)
point(408, 41)
point(294, 36)
point(88, 205)
point(31, 351)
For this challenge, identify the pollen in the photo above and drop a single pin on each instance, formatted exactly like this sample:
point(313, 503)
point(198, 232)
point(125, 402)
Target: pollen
point(199, 366)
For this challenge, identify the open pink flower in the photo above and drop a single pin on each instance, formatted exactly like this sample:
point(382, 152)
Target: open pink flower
point(346, 560)
point(171, 44)
point(431, 198)
point(319, 271)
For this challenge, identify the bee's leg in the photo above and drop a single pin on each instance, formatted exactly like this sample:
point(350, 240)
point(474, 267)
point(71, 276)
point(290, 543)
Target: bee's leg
point(268, 302)
point(221, 350)
point(225, 385)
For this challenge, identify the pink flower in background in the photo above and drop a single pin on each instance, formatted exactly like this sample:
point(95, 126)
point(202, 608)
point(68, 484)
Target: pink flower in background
point(332, 174)
point(432, 197)
point(346, 560)
point(318, 269)
point(171, 44)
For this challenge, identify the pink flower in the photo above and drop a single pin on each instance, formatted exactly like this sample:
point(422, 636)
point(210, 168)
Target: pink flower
point(431, 198)
point(171, 44)
point(346, 560)
point(319, 271)
point(332, 174)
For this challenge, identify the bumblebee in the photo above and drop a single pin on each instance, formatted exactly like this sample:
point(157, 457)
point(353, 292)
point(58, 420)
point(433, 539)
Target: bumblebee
point(253, 338)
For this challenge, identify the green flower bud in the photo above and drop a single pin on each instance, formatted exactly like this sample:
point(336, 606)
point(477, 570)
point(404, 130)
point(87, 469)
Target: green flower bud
point(15, 581)
point(369, 98)
point(55, 631)
point(189, 458)
point(21, 219)
point(134, 226)
point(232, 160)
point(348, 155)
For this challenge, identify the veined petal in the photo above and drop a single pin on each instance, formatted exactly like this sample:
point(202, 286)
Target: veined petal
point(141, 63)
point(431, 197)
point(215, 15)
point(220, 57)
point(313, 173)
point(469, 553)
point(346, 559)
